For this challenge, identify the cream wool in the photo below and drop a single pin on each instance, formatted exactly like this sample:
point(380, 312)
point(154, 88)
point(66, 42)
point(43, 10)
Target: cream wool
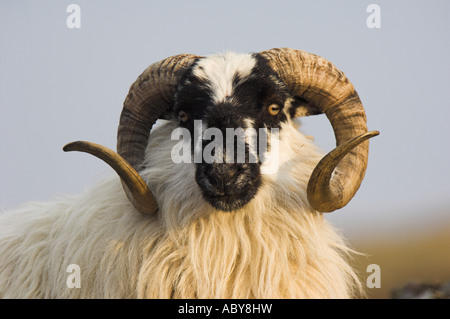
point(274, 247)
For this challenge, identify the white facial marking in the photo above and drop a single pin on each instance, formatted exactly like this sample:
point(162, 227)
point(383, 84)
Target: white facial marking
point(219, 70)
point(249, 123)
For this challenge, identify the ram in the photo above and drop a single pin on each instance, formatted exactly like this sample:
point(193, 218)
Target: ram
point(220, 228)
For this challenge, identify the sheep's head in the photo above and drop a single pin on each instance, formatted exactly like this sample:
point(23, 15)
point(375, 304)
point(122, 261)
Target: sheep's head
point(257, 91)
point(235, 99)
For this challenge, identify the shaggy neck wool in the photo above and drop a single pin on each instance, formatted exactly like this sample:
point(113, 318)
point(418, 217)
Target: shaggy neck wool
point(274, 247)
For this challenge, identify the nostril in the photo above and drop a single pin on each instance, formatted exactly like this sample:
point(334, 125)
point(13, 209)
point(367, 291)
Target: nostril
point(220, 179)
point(218, 191)
point(214, 187)
point(214, 183)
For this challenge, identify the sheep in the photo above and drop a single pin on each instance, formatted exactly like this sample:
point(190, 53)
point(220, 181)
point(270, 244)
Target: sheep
point(199, 229)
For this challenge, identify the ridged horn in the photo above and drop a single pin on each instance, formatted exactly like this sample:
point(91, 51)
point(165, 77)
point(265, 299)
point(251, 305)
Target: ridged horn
point(337, 178)
point(136, 189)
point(149, 98)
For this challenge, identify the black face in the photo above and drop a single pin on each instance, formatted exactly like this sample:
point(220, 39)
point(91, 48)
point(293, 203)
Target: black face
point(257, 100)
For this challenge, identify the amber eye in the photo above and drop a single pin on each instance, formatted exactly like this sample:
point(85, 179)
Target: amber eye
point(274, 109)
point(182, 116)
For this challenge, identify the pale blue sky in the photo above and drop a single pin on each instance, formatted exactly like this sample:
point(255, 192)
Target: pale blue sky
point(58, 85)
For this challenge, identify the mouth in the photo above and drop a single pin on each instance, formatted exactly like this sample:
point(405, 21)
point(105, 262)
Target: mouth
point(226, 203)
point(230, 202)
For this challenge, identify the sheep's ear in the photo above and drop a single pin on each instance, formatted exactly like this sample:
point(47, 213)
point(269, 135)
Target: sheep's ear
point(300, 107)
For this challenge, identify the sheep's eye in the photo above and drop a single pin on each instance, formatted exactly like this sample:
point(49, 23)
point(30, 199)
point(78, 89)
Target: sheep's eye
point(274, 109)
point(182, 116)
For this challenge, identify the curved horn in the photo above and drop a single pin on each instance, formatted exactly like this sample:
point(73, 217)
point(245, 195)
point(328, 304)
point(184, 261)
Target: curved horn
point(149, 97)
point(136, 189)
point(336, 179)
